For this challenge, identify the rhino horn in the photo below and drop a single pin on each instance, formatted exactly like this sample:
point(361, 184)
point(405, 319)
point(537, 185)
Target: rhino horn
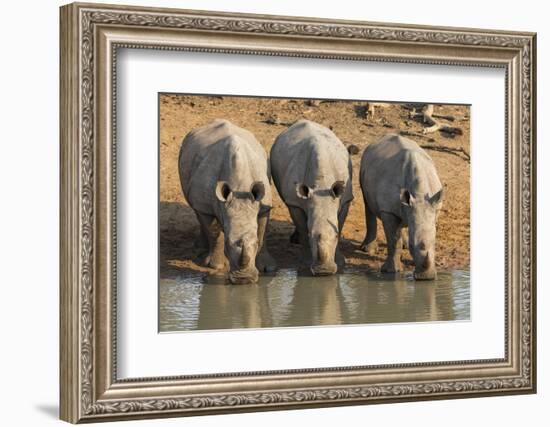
point(245, 257)
point(427, 262)
point(322, 253)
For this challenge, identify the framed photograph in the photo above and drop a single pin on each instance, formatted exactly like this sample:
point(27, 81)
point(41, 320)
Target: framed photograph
point(267, 212)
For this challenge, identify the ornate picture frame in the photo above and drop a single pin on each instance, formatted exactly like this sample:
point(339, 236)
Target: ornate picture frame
point(90, 37)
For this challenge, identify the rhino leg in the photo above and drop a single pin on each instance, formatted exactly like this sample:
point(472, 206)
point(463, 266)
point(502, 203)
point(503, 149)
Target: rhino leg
point(295, 237)
point(201, 245)
point(299, 219)
point(392, 229)
point(405, 238)
point(338, 256)
point(215, 258)
point(370, 245)
point(264, 261)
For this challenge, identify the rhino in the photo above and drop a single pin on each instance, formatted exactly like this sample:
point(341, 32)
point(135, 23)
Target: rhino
point(225, 178)
point(400, 185)
point(312, 172)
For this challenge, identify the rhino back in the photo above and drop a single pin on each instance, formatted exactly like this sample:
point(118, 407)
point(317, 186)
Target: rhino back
point(221, 151)
point(311, 154)
point(391, 164)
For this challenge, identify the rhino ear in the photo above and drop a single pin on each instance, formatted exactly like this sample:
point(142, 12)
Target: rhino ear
point(406, 197)
point(303, 191)
point(223, 191)
point(258, 191)
point(436, 198)
point(337, 189)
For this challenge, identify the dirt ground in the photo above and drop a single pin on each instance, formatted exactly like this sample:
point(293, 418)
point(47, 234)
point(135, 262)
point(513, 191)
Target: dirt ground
point(351, 122)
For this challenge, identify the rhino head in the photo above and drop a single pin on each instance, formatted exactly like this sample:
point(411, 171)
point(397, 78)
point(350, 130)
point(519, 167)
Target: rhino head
point(421, 212)
point(323, 205)
point(239, 213)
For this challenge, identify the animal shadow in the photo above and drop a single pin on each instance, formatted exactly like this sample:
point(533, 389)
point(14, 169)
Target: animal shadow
point(178, 229)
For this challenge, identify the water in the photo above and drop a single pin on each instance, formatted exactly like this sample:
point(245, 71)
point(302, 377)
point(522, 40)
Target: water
point(197, 302)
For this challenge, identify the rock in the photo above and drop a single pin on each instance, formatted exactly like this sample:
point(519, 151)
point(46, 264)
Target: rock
point(353, 149)
point(272, 120)
point(312, 102)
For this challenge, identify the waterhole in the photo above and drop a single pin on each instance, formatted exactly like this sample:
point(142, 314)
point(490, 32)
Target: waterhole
point(199, 302)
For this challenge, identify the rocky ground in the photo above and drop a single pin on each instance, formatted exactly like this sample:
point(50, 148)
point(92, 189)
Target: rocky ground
point(354, 125)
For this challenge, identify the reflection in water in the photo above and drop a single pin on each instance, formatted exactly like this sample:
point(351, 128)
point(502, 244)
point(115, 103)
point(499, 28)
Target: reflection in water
point(197, 302)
